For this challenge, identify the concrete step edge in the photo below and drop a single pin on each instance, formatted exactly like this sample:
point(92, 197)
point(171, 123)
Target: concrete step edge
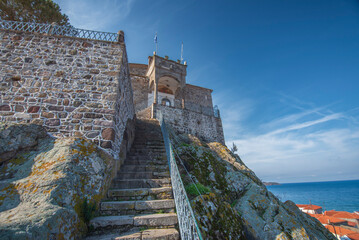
point(136, 191)
point(162, 219)
point(138, 205)
point(135, 233)
point(151, 234)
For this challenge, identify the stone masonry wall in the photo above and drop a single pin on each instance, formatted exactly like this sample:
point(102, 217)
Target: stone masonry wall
point(198, 99)
point(208, 128)
point(139, 85)
point(72, 86)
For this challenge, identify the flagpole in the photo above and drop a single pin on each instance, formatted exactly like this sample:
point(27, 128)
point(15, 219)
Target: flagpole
point(182, 52)
point(156, 43)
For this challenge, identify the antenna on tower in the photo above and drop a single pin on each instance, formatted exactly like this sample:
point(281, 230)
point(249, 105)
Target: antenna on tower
point(182, 52)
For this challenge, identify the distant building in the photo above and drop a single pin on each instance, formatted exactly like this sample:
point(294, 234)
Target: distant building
point(342, 233)
point(343, 225)
point(160, 86)
point(327, 220)
point(351, 218)
point(310, 208)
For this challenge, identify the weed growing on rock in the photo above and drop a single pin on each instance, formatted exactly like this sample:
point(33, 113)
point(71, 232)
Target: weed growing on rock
point(87, 211)
point(197, 189)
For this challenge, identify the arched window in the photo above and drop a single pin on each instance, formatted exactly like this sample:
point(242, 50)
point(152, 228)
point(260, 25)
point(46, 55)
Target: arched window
point(166, 102)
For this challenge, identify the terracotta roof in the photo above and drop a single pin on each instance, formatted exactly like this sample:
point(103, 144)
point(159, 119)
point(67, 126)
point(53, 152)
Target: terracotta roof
point(346, 215)
point(342, 214)
point(309, 206)
point(315, 215)
point(339, 230)
point(328, 219)
point(330, 212)
point(353, 236)
point(352, 224)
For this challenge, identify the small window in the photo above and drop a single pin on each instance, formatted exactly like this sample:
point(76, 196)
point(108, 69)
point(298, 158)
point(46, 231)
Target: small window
point(166, 102)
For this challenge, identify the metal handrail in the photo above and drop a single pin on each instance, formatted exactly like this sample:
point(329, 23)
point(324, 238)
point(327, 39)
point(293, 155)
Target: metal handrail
point(188, 225)
point(58, 30)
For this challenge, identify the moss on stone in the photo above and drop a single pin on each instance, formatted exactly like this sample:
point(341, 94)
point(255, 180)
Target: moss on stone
point(216, 218)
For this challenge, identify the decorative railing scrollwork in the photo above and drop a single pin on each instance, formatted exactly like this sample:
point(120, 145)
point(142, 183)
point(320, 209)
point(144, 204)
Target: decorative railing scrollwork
point(58, 30)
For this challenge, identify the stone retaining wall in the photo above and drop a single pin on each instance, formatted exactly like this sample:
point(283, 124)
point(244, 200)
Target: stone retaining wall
point(139, 85)
point(208, 128)
point(72, 86)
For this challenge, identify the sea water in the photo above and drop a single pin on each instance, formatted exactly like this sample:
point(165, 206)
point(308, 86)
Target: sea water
point(337, 195)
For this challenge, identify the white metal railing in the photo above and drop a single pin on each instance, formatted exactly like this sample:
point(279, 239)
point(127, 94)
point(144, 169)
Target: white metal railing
point(58, 30)
point(216, 111)
point(189, 228)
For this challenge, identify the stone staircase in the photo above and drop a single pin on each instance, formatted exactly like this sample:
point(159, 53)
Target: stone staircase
point(140, 203)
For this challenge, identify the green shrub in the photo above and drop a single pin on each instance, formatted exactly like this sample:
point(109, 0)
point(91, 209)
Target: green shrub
point(87, 211)
point(195, 190)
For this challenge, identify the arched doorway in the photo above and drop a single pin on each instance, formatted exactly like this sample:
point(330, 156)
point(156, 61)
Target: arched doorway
point(166, 102)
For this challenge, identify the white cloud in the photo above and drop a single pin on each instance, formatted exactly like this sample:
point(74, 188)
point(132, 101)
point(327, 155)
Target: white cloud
point(290, 118)
point(307, 124)
point(293, 149)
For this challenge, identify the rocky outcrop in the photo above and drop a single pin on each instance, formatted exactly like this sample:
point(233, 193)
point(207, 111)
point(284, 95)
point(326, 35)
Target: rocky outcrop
point(237, 205)
point(14, 138)
point(50, 191)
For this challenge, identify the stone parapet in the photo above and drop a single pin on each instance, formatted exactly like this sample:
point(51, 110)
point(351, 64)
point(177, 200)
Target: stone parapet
point(206, 127)
point(73, 87)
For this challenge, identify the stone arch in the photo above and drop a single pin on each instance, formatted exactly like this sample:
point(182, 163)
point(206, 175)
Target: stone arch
point(168, 84)
point(166, 102)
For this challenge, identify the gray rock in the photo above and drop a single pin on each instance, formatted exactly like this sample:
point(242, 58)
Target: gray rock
point(17, 137)
point(42, 191)
point(239, 206)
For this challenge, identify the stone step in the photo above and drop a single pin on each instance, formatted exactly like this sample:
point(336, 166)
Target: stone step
point(140, 140)
point(137, 207)
point(152, 234)
point(145, 148)
point(144, 168)
point(149, 163)
point(153, 135)
point(140, 194)
point(149, 146)
point(136, 234)
point(142, 175)
point(141, 183)
point(137, 151)
point(146, 155)
point(149, 220)
point(135, 175)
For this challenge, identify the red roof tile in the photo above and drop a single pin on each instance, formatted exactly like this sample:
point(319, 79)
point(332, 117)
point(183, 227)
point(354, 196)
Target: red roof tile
point(339, 230)
point(347, 215)
point(353, 236)
point(330, 212)
point(352, 224)
point(342, 214)
point(328, 219)
point(309, 206)
point(315, 215)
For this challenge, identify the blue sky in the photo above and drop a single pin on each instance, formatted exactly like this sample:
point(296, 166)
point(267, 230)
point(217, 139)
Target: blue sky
point(285, 74)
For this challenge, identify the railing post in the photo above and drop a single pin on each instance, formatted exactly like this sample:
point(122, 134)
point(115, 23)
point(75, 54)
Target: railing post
point(51, 28)
point(120, 36)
